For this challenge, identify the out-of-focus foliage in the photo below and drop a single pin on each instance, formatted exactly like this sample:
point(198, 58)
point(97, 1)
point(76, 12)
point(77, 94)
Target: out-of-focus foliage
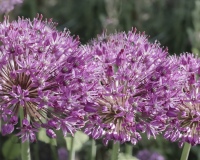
point(164, 20)
point(83, 17)
point(79, 139)
point(126, 157)
point(11, 148)
point(194, 34)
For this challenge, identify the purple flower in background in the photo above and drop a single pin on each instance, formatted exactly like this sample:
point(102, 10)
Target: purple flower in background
point(62, 154)
point(8, 5)
point(33, 57)
point(149, 155)
point(126, 83)
point(184, 116)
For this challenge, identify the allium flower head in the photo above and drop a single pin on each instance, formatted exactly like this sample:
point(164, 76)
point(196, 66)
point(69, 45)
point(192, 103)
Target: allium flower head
point(149, 155)
point(184, 115)
point(126, 75)
point(33, 57)
point(8, 5)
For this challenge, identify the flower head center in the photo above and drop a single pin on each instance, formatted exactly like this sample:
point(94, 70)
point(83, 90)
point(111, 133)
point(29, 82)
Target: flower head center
point(190, 116)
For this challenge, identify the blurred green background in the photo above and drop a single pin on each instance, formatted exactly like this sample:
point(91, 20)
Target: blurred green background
point(175, 23)
point(172, 22)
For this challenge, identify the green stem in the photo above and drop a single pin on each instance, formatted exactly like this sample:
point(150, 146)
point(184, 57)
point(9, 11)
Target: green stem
point(128, 149)
point(53, 149)
point(72, 150)
point(93, 150)
point(25, 151)
point(25, 147)
point(115, 151)
point(186, 151)
point(36, 151)
point(1, 18)
point(0, 125)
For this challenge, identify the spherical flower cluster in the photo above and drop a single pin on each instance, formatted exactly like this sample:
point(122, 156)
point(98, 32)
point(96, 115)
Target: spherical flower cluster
point(8, 5)
point(184, 116)
point(146, 154)
point(33, 58)
point(128, 79)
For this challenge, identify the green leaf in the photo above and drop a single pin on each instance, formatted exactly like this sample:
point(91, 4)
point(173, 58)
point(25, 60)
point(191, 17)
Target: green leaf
point(126, 157)
point(11, 149)
point(44, 138)
point(195, 51)
point(79, 139)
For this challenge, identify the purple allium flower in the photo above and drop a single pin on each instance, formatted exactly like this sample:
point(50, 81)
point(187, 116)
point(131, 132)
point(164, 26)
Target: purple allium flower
point(33, 57)
point(184, 116)
point(8, 5)
point(149, 155)
point(126, 76)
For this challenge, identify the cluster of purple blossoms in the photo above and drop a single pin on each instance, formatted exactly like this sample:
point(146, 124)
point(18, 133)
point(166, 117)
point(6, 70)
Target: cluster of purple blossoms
point(8, 5)
point(38, 68)
point(127, 88)
point(116, 87)
point(184, 115)
point(146, 154)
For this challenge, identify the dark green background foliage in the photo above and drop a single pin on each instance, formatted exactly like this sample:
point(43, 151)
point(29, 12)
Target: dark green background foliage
point(167, 21)
point(175, 23)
